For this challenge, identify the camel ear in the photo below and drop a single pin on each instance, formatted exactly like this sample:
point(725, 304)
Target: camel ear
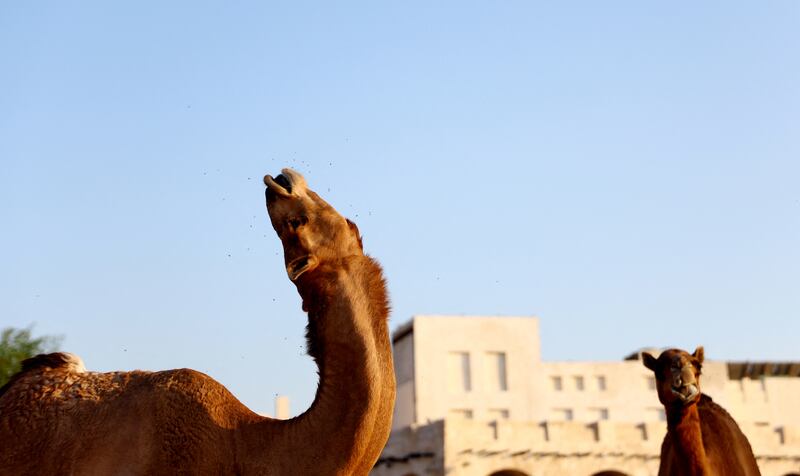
point(649, 361)
point(699, 354)
point(355, 231)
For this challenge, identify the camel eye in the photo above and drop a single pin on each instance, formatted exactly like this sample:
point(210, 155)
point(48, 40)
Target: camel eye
point(296, 222)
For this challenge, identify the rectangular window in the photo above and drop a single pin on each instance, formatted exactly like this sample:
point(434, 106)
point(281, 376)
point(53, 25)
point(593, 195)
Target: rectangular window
point(458, 372)
point(460, 413)
point(601, 383)
point(563, 414)
point(558, 385)
point(498, 414)
point(496, 371)
point(578, 383)
point(600, 413)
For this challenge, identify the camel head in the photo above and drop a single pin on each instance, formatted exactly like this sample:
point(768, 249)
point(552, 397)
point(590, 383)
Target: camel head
point(311, 231)
point(677, 375)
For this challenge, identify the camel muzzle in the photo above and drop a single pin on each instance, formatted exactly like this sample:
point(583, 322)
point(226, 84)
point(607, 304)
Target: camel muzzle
point(288, 183)
point(684, 384)
point(279, 185)
point(284, 182)
point(300, 265)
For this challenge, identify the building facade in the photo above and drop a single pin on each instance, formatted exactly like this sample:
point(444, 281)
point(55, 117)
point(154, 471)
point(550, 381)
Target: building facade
point(475, 398)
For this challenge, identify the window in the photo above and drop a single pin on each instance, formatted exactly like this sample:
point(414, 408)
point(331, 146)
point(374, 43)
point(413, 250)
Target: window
point(600, 413)
point(496, 371)
point(601, 382)
point(578, 383)
point(558, 385)
point(460, 413)
point(458, 372)
point(563, 414)
point(498, 414)
point(656, 414)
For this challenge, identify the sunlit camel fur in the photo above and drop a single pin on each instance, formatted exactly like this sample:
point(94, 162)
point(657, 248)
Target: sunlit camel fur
point(57, 418)
point(702, 438)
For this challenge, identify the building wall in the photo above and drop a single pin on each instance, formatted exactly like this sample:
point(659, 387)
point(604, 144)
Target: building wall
point(443, 346)
point(404, 363)
point(769, 400)
point(432, 381)
point(456, 416)
point(473, 448)
point(617, 391)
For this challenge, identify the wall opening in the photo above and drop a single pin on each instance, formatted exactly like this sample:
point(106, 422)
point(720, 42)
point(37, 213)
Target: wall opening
point(459, 373)
point(508, 472)
point(496, 371)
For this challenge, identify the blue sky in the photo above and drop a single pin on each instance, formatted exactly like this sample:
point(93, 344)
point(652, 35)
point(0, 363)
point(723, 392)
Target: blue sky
point(626, 171)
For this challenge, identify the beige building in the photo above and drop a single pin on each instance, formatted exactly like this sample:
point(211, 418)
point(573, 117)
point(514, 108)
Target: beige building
point(474, 398)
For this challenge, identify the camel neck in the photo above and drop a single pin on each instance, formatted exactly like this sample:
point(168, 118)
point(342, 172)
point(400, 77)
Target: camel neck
point(683, 425)
point(349, 339)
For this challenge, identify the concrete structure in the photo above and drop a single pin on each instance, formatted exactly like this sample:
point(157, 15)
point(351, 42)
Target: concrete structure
point(282, 411)
point(474, 398)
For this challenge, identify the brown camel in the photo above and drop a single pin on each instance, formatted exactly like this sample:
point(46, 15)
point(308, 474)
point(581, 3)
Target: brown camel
point(57, 418)
point(702, 438)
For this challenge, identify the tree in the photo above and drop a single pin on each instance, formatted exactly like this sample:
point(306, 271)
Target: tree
point(17, 345)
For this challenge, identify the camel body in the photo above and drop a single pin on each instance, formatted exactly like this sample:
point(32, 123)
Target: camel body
point(702, 438)
point(57, 418)
point(727, 449)
point(64, 420)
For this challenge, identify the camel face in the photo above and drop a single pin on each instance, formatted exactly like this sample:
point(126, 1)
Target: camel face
point(677, 375)
point(312, 231)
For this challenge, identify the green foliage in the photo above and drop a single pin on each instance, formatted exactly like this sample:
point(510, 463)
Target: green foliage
point(17, 345)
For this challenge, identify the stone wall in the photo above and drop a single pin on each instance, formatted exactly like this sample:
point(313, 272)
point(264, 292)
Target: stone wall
point(471, 448)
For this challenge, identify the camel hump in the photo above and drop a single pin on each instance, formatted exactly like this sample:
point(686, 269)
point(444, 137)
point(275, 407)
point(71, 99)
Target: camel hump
point(54, 360)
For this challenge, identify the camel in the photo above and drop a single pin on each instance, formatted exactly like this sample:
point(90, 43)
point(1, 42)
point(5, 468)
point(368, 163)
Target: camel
point(702, 438)
point(57, 418)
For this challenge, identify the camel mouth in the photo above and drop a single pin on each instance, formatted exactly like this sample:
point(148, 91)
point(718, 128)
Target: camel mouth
point(280, 185)
point(284, 182)
point(300, 265)
point(686, 393)
point(288, 183)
